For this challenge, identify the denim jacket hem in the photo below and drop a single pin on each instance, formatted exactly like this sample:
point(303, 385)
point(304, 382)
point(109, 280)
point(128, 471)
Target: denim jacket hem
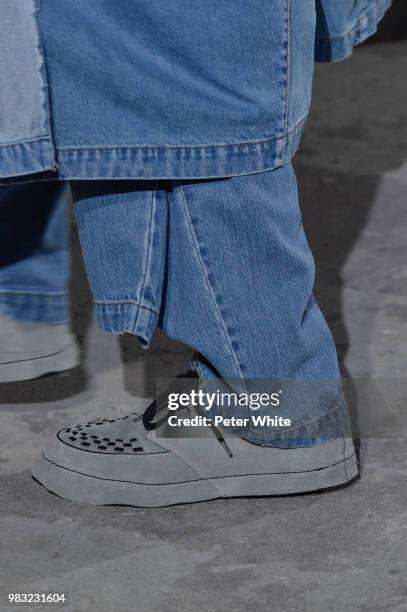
point(336, 48)
point(151, 162)
point(223, 113)
point(32, 155)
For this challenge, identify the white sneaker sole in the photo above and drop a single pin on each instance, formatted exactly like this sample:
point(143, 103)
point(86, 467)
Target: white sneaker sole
point(75, 486)
point(28, 369)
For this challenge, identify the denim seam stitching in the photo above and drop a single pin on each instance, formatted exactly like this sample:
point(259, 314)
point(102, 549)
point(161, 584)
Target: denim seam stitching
point(46, 105)
point(267, 139)
point(356, 24)
point(287, 59)
point(338, 405)
point(27, 141)
point(148, 256)
point(34, 293)
point(29, 144)
point(219, 316)
point(121, 302)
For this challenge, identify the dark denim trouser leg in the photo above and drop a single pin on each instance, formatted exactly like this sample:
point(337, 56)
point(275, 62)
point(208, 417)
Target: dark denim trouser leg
point(34, 252)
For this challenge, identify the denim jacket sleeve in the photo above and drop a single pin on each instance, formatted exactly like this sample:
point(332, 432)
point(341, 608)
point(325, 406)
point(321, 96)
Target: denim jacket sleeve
point(343, 24)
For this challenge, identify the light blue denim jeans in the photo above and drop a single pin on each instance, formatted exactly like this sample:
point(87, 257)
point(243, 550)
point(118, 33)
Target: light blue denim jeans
point(222, 265)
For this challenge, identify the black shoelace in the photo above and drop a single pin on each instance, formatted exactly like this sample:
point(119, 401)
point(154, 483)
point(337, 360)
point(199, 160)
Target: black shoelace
point(160, 404)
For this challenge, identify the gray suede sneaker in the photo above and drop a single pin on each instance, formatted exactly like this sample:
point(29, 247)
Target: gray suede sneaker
point(29, 350)
point(119, 461)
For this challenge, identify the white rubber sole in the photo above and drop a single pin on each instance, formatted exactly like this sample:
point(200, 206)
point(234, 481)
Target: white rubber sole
point(28, 369)
point(79, 487)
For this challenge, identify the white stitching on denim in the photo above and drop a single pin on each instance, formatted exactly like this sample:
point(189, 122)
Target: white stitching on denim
point(288, 76)
point(124, 303)
point(219, 316)
point(187, 146)
point(149, 251)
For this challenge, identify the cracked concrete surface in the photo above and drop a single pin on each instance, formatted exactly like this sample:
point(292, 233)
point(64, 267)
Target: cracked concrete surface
point(339, 551)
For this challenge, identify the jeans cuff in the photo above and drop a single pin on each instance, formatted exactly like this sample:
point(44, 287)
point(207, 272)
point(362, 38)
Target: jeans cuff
point(333, 421)
point(36, 307)
point(127, 317)
point(336, 48)
point(332, 424)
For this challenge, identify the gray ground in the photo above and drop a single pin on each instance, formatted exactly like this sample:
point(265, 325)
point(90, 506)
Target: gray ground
point(339, 551)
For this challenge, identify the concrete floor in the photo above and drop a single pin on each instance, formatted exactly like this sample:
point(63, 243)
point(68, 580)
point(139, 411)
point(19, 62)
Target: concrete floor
point(339, 551)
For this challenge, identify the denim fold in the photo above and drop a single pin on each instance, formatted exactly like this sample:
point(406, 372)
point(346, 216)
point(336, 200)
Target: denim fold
point(223, 266)
point(335, 47)
point(35, 307)
point(127, 317)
